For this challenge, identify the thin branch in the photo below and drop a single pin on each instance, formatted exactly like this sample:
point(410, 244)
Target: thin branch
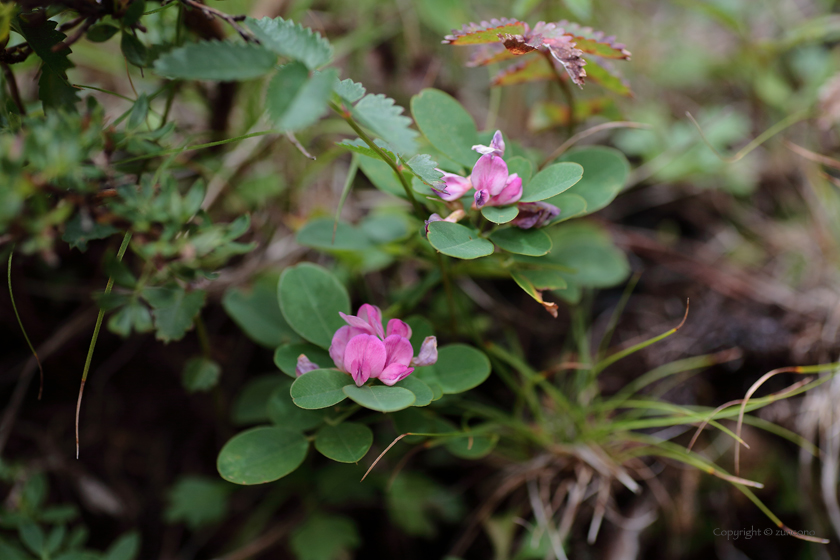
point(293, 139)
point(210, 12)
point(75, 37)
point(589, 132)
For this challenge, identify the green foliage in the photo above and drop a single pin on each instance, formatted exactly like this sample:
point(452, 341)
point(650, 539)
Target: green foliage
point(447, 126)
point(415, 502)
point(499, 214)
point(261, 455)
point(320, 388)
point(606, 173)
point(385, 119)
point(173, 309)
point(533, 242)
point(53, 88)
point(283, 412)
point(348, 442)
point(458, 241)
point(310, 299)
point(551, 181)
point(295, 99)
point(201, 374)
point(197, 501)
point(380, 398)
point(292, 40)
point(324, 537)
point(257, 312)
point(216, 60)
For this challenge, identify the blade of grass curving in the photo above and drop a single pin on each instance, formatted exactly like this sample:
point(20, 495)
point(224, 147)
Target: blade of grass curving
point(619, 309)
point(23, 330)
point(754, 499)
point(609, 360)
point(697, 363)
point(99, 317)
point(790, 120)
point(675, 452)
point(796, 369)
point(789, 435)
point(739, 402)
point(348, 184)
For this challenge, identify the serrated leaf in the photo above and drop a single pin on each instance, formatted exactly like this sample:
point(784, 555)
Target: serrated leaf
point(532, 69)
point(382, 116)
point(174, 310)
point(54, 91)
point(525, 283)
point(594, 42)
point(359, 146)
point(133, 317)
point(488, 54)
point(604, 75)
point(348, 90)
point(292, 40)
point(423, 166)
point(296, 100)
point(77, 232)
point(216, 60)
point(485, 32)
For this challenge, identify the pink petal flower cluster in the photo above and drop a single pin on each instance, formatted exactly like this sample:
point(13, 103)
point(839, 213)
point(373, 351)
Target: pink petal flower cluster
point(490, 179)
point(366, 351)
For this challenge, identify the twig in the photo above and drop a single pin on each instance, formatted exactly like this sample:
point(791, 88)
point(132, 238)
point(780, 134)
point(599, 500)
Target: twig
point(231, 20)
point(293, 139)
point(13, 88)
point(808, 154)
point(73, 38)
point(384, 452)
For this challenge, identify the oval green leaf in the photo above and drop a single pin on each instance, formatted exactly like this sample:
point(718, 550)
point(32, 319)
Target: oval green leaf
point(551, 181)
point(423, 393)
point(310, 299)
point(522, 167)
point(500, 215)
point(531, 242)
point(251, 404)
point(320, 388)
point(346, 443)
point(318, 234)
point(380, 397)
point(283, 411)
point(606, 172)
point(286, 357)
point(460, 368)
point(446, 124)
point(258, 314)
point(458, 241)
point(570, 205)
point(261, 455)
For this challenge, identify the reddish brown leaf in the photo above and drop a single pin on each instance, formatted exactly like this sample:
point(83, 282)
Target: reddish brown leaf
point(601, 72)
point(485, 32)
point(593, 42)
point(488, 54)
point(530, 70)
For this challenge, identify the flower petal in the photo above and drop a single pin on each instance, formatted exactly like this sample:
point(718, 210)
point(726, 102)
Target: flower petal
point(428, 354)
point(497, 146)
point(399, 350)
point(456, 186)
point(339, 343)
point(373, 316)
point(510, 194)
point(490, 173)
point(364, 358)
point(395, 326)
point(304, 365)
point(535, 214)
point(394, 374)
point(481, 198)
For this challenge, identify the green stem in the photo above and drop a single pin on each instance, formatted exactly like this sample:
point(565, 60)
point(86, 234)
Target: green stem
point(23, 330)
point(203, 339)
point(96, 328)
point(418, 209)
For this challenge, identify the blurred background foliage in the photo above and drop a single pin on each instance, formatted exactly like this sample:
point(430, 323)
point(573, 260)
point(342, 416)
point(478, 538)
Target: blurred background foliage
point(752, 239)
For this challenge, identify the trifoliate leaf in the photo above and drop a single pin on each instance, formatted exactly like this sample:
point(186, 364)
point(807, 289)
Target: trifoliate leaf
point(174, 310)
point(292, 40)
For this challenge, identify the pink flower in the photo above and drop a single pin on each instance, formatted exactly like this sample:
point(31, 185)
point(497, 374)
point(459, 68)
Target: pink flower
point(366, 351)
point(489, 178)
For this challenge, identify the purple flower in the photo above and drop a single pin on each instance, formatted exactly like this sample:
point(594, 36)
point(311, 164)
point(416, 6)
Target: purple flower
point(535, 214)
point(366, 351)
